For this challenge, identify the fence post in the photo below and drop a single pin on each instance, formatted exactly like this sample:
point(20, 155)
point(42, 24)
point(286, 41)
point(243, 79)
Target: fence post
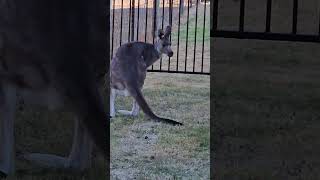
point(156, 4)
point(181, 6)
point(170, 11)
point(132, 19)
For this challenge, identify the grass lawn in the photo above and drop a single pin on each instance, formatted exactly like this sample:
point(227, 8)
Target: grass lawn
point(267, 110)
point(267, 96)
point(144, 149)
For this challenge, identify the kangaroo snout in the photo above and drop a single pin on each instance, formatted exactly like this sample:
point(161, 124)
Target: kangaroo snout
point(170, 54)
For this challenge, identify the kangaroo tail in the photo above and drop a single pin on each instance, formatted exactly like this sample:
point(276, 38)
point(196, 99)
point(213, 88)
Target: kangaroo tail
point(136, 93)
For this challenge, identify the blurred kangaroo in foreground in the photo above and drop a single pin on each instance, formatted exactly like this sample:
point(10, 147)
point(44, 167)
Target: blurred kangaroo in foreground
point(128, 72)
point(53, 53)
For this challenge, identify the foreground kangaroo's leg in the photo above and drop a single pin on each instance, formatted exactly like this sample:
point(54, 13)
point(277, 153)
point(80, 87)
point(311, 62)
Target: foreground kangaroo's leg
point(134, 111)
point(7, 112)
point(112, 100)
point(80, 155)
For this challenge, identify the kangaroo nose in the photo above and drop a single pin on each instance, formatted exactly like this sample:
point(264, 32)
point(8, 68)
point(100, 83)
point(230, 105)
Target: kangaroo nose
point(170, 54)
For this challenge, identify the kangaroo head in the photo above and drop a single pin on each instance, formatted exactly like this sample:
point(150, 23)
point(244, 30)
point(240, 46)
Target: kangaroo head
point(163, 44)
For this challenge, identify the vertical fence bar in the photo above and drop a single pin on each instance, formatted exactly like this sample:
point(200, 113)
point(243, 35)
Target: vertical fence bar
point(146, 27)
point(129, 22)
point(268, 16)
point(170, 23)
point(138, 20)
point(178, 43)
point(195, 37)
point(162, 28)
point(112, 33)
point(121, 17)
point(319, 21)
point(241, 20)
point(135, 28)
point(132, 19)
point(203, 34)
point(215, 14)
point(186, 57)
point(295, 16)
point(163, 2)
point(155, 8)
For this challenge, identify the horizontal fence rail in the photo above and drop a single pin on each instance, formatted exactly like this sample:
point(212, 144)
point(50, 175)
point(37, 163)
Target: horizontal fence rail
point(139, 20)
point(267, 34)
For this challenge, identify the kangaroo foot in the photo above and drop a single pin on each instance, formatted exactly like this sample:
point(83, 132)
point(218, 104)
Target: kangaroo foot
point(46, 160)
point(128, 113)
point(55, 162)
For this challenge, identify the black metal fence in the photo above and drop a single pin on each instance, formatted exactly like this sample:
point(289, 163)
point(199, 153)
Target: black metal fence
point(138, 20)
point(267, 34)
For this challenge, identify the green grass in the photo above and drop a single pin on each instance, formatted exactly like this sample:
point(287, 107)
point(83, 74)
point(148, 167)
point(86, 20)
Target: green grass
point(167, 152)
point(267, 110)
point(191, 31)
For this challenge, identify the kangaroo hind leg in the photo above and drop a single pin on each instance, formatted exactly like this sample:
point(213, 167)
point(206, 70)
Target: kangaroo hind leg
point(79, 158)
point(134, 111)
point(8, 98)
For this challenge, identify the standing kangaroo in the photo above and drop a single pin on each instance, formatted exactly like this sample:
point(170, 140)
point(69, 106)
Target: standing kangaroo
point(128, 72)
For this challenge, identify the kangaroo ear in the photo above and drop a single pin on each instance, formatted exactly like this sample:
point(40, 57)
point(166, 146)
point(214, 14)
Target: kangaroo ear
point(168, 31)
point(160, 33)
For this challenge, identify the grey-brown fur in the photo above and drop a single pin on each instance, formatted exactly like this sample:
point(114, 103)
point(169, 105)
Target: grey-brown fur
point(129, 68)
